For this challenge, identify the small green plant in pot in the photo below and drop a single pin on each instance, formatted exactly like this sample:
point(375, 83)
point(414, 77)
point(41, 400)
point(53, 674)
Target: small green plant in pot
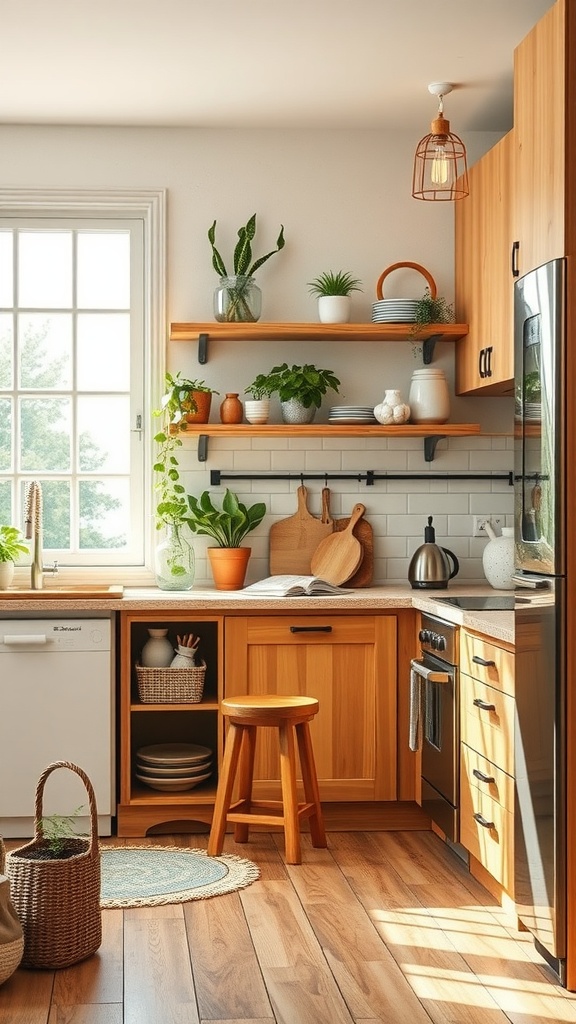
point(238, 298)
point(11, 547)
point(300, 390)
point(333, 290)
point(227, 526)
point(257, 408)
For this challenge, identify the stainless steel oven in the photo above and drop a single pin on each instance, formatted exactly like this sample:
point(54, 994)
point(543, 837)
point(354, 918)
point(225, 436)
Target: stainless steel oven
point(435, 720)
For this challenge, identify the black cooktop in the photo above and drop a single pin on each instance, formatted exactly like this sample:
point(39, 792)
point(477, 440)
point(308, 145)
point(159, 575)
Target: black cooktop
point(490, 603)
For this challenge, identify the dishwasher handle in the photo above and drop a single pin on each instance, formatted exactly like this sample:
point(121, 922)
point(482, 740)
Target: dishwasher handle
point(25, 639)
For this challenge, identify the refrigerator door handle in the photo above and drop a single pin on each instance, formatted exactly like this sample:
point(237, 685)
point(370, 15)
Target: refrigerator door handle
point(531, 582)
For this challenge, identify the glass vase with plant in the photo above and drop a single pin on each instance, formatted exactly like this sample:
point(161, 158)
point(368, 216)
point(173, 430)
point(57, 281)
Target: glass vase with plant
point(238, 297)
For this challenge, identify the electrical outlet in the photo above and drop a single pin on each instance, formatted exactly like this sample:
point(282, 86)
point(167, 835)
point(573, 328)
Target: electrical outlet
point(479, 530)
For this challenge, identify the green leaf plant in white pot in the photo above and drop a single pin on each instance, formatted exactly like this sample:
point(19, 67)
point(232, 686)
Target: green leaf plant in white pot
point(238, 298)
point(257, 407)
point(333, 290)
point(11, 547)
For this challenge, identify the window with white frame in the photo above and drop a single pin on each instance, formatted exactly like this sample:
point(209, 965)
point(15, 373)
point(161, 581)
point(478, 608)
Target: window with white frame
point(76, 351)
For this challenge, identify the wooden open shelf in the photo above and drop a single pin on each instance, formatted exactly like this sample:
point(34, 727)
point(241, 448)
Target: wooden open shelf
point(427, 334)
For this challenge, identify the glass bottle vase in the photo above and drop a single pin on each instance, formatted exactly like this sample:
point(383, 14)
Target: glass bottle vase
point(237, 300)
point(174, 561)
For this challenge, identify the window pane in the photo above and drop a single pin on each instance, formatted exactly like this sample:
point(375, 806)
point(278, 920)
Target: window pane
point(6, 278)
point(45, 346)
point(45, 269)
point(103, 270)
point(5, 434)
point(56, 508)
point(6, 503)
point(6, 349)
point(45, 425)
point(104, 513)
point(104, 434)
point(103, 352)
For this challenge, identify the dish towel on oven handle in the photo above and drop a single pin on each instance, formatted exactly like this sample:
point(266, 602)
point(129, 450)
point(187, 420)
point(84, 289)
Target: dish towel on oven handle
point(415, 708)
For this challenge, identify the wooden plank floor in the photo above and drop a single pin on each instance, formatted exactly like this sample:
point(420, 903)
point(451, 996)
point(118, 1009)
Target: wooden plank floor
point(381, 927)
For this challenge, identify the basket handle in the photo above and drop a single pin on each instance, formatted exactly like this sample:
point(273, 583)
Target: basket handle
point(414, 266)
point(38, 831)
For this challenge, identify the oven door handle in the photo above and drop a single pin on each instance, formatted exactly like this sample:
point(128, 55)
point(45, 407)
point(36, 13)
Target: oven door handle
point(430, 674)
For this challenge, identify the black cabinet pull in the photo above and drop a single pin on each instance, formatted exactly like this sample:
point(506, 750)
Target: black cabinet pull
point(483, 821)
point(482, 363)
point(483, 705)
point(514, 261)
point(489, 351)
point(480, 775)
point(310, 629)
point(480, 661)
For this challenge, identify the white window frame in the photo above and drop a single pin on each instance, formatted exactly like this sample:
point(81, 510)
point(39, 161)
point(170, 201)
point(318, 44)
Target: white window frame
point(149, 206)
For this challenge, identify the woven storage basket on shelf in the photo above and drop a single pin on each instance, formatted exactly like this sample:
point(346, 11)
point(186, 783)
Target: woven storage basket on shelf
point(171, 685)
point(11, 937)
point(58, 899)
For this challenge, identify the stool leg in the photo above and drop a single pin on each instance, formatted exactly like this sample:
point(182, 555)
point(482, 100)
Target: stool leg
point(224, 791)
point(289, 794)
point(310, 780)
point(245, 776)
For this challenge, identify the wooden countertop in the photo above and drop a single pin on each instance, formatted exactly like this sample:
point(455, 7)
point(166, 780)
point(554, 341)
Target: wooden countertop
point(499, 625)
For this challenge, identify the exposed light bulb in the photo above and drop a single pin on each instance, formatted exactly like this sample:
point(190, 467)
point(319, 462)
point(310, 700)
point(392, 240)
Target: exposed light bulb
point(439, 169)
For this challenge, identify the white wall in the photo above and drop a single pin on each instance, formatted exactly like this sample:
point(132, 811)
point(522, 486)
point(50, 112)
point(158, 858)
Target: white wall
point(344, 199)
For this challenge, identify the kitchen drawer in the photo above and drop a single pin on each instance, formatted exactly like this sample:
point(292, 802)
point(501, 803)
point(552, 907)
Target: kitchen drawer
point(487, 662)
point(487, 722)
point(324, 628)
point(490, 839)
point(499, 788)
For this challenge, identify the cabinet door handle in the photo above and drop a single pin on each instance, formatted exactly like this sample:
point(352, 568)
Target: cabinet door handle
point(514, 260)
point(480, 661)
point(483, 821)
point(483, 705)
point(482, 363)
point(480, 775)
point(310, 629)
point(489, 361)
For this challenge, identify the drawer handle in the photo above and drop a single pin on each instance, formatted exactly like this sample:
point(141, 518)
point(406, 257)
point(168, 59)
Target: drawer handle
point(480, 775)
point(483, 821)
point(479, 703)
point(480, 661)
point(310, 629)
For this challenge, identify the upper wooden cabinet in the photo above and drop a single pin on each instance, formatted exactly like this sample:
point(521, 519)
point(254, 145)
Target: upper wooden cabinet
point(484, 288)
point(544, 123)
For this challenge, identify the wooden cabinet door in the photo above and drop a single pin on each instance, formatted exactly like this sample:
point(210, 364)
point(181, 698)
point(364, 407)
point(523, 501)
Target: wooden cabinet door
point(540, 75)
point(349, 664)
point(484, 285)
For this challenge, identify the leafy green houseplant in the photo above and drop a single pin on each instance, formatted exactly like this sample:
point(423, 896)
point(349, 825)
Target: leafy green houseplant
point(431, 310)
point(227, 526)
point(300, 389)
point(11, 547)
point(238, 299)
point(333, 290)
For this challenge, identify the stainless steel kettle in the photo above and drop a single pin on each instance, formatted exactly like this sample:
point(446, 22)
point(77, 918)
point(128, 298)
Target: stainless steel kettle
point(430, 567)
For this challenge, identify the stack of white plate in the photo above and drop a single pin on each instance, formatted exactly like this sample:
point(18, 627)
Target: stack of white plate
point(352, 414)
point(395, 311)
point(173, 767)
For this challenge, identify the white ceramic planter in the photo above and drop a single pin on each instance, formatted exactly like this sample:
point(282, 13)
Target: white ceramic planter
point(498, 560)
point(429, 398)
point(334, 309)
point(6, 575)
point(257, 410)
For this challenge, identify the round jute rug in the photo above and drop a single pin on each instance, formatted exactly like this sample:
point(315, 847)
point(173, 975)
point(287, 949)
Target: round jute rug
point(146, 876)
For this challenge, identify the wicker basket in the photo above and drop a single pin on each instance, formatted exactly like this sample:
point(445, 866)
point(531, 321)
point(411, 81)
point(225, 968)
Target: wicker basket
point(171, 685)
point(10, 951)
point(58, 900)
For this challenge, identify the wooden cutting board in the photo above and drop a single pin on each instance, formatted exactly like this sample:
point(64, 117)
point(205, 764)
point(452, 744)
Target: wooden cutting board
point(338, 557)
point(293, 541)
point(364, 574)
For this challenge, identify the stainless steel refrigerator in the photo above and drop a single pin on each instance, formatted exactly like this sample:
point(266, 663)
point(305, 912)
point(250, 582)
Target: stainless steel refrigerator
point(540, 622)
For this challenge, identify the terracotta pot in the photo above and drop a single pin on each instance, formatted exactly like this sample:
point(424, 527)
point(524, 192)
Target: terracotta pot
point(203, 401)
point(229, 567)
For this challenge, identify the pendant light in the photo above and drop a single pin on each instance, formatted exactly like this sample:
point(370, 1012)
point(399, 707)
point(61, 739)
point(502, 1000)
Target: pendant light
point(440, 170)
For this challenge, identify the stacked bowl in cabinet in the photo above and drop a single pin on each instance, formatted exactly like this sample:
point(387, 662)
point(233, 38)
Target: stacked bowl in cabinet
point(173, 767)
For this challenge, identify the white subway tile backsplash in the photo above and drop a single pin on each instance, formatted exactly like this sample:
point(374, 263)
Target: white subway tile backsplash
point(446, 503)
point(252, 460)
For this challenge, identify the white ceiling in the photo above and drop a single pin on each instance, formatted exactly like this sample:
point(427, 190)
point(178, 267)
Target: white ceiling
point(260, 63)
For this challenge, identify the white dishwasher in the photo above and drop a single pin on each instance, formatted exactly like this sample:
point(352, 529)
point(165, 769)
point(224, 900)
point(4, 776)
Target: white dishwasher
point(56, 704)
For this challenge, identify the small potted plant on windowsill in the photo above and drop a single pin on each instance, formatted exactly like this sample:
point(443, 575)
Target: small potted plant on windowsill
point(333, 291)
point(11, 547)
point(300, 389)
point(227, 526)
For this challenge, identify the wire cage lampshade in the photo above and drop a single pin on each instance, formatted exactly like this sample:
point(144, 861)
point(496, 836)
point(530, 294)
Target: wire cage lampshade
point(440, 168)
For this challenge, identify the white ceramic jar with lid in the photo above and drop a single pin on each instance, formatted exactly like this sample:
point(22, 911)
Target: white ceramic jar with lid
point(429, 398)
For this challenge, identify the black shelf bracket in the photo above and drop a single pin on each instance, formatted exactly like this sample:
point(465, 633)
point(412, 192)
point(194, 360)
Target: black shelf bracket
point(428, 346)
point(430, 446)
point(202, 447)
point(202, 348)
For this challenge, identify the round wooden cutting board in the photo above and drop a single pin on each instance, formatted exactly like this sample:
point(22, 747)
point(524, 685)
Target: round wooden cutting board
point(337, 557)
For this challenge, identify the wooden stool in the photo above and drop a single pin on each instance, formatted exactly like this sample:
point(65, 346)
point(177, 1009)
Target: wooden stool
point(290, 715)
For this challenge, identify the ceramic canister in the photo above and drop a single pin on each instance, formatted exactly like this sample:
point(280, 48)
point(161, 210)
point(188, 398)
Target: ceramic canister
point(498, 560)
point(157, 651)
point(429, 398)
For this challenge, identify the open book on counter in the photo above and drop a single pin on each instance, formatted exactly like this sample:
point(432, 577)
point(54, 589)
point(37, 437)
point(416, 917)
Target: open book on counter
point(293, 586)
